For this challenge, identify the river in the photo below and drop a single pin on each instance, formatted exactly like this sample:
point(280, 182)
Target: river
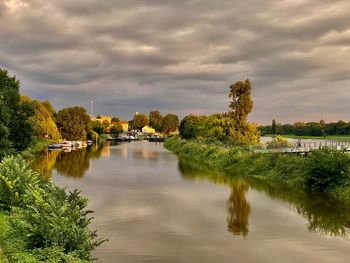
point(154, 207)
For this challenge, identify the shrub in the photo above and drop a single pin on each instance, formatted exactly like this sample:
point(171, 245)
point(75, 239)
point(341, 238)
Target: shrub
point(48, 222)
point(327, 169)
point(278, 143)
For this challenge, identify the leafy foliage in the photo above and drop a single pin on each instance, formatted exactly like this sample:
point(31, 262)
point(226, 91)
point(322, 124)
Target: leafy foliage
point(228, 128)
point(15, 130)
point(50, 222)
point(170, 123)
point(155, 120)
point(278, 143)
point(327, 169)
point(140, 120)
point(97, 127)
point(116, 129)
point(73, 123)
point(42, 120)
point(115, 119)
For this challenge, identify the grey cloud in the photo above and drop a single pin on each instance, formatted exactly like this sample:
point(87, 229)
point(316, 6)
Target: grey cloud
point(181, 56)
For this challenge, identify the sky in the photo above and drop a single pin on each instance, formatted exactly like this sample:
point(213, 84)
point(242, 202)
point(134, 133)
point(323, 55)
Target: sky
point(181, 56)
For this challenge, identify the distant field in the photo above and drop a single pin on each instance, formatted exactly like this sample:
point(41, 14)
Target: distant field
point(330, 137)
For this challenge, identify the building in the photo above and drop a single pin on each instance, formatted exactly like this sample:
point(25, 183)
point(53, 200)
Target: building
point(148, 129)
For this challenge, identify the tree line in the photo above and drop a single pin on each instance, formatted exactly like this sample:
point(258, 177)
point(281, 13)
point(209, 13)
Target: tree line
point(307, 128)
point(23, 119)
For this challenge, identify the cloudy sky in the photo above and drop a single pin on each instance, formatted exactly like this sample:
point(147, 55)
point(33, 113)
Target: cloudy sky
point(181, 56)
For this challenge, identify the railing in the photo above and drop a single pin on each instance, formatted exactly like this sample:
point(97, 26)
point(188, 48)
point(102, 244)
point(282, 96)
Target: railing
point(305, 147)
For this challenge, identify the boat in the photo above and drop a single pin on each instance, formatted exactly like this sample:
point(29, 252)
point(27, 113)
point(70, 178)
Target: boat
point(67, 144)
point(55, 146)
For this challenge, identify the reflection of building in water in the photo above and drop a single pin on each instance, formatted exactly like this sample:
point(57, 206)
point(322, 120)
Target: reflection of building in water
point(238, 209)
point(146, 154)
point(106, 151)
point(124, 152)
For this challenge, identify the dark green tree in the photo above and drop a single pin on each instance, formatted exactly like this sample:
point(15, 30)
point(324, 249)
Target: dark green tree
point(274, 127)
point(140, 120)
point(15, 130)
point(73, 123)
point(97, 127)
point(170, 123)
point(116, 129)
point(22, 131)
point(155, 120)
point(115, 119)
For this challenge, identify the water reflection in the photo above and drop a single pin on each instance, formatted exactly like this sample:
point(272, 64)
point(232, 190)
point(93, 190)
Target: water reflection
point(238, 209)
point(323, 213)
point(73, 163)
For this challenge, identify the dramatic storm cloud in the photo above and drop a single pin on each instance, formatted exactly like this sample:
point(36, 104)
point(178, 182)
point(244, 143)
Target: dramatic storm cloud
point(181, 56)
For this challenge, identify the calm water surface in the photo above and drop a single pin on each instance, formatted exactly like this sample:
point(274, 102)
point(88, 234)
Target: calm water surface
point(156, 208)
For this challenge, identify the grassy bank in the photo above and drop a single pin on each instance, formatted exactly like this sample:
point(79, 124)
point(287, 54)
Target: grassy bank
point(321, 171)
point(36, 146)
point(40, 222)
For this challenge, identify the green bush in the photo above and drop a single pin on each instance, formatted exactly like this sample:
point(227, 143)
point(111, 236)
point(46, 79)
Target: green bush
point(327, 169)
point(45, 222)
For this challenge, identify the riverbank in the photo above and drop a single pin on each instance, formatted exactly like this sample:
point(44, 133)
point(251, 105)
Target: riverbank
point(36, 146)
point(39, 221)
point(322, 170)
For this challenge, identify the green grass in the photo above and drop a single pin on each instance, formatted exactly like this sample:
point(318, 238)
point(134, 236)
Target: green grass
point(328, 137)
point(3, 227)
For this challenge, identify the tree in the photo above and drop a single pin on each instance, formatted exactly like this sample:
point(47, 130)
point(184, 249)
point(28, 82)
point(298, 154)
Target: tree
point(241, 105)
point(116, 129)
point(97, 127)
point(115, 119)
point(42, 120)
point(155, 120)
point(106, 124)
point(274, 127)
point(241, 102)
point(22, 132)
point(15, 130)
point(140, 120)
point(170, 123)
point(73, 123)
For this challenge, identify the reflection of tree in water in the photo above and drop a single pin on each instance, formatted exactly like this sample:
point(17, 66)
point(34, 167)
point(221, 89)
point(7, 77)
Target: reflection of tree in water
point(44, 163)
point(323, 214)
point(238, 209)
point(74, 163)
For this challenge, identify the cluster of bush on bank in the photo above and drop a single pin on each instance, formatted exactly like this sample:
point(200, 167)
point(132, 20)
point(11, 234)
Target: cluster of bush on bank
point(323, 170)
point(39, 221)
